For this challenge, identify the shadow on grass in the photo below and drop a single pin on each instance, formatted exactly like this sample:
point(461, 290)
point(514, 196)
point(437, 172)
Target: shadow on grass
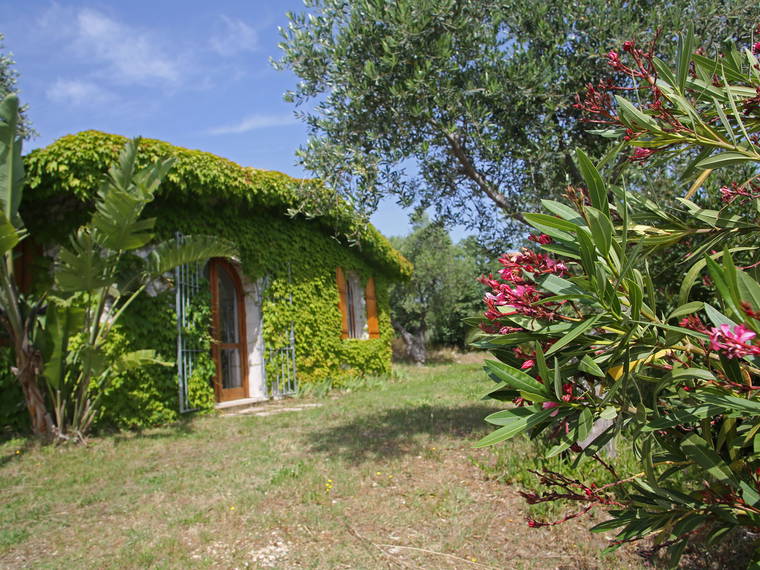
point(181, 428)
point(26, 444)
point(393, 432)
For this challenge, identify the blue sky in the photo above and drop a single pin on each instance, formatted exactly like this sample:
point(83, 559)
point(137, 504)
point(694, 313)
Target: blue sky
point(194, 73)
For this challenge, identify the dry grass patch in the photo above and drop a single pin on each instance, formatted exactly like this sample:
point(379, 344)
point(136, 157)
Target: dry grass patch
point(380, 478)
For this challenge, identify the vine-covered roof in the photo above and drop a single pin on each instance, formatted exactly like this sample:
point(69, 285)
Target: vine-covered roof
point(74, 164)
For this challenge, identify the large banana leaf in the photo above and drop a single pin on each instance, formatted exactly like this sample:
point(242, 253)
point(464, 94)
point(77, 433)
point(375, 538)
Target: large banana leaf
point(116, 224)
point(136, 359)
point(175, 252)
point(9, 234)
point(142, 183)
point(11, 166)
point(61, 322)
point(81, 267)
point(149, 178)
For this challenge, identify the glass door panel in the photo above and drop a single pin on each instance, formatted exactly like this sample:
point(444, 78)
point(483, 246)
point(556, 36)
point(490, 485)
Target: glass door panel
point(229, 331)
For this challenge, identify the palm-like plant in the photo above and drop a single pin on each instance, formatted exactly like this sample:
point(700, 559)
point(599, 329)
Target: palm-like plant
point(91, 289)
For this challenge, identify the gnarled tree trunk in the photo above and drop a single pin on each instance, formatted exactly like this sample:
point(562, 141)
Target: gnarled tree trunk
point(416, 350)
point(28, 363)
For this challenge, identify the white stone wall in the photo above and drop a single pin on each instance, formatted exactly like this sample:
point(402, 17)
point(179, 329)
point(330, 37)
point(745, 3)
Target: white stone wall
point(253, 291)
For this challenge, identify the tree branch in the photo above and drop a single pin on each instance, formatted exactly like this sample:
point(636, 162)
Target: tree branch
point(472, 173)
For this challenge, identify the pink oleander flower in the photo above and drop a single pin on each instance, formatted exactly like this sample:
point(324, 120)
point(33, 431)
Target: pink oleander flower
point(541, 238)
point(733, 343)
point(550, 405)
point(527, 364)
point(642, 154)
point(694, 323)
point(756, 47)
point(730, 193)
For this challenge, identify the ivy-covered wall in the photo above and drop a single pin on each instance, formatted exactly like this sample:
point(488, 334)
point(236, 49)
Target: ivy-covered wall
point(204, 194)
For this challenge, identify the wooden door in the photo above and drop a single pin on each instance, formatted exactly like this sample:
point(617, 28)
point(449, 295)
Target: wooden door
point(229, 346)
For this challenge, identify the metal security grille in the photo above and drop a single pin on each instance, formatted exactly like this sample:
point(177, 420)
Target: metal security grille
point(281, 362)
point(188, 280)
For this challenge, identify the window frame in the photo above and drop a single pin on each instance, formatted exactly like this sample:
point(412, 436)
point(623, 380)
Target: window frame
point(349, 285)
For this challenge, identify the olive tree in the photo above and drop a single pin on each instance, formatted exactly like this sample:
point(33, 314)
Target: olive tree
point(458, 106)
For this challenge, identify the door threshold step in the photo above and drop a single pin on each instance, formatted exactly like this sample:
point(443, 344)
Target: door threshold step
point(242, 402)
point(267, 409)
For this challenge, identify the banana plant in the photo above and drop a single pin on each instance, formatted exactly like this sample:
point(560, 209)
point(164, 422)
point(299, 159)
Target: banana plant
point(107, 264)
point(19, 314)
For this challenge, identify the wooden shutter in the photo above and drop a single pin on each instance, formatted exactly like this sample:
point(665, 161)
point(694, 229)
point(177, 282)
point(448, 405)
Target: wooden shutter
point(340, 279)
point(369, 294)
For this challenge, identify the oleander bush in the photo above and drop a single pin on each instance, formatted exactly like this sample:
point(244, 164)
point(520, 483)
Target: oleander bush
point(589, 354)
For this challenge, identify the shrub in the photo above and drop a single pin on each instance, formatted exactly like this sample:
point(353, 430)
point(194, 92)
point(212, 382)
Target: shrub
point(586, 350)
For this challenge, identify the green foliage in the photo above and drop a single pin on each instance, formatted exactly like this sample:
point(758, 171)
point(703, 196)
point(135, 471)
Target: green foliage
point(442, 292)
point(13, 415)
point(461, 106)
point(592, 355)
point(66, 174)
point(204, 194)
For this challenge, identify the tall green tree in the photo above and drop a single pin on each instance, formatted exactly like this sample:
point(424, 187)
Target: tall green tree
point(460, 105)
point(8, 86)
point(430, 307)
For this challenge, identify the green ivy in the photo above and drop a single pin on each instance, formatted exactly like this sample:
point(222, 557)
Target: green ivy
point(13, 415)
point(205, 194)
point(66, 173)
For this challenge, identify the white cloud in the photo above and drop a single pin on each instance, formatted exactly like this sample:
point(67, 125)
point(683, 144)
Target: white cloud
point(129, 54)
point(75, 93)
point(235, 36)
point(254, 122)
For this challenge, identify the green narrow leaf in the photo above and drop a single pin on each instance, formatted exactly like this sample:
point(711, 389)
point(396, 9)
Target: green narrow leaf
point(585, 422)
point(588, 253)
point(636, 297)
point(748, 288)
point(505, 417)
point(686, 309)
point(588, 366)
point(685, 49)
point(664, 71)
point(515, 428)
point(563, 211)
point(601, 230)
point(557, 380)
point(596, 187)
point(573, 334)
point(720, 278)
point(543, 369)
point(724, 159)
point(551, 226)
point(734, 110)
point(697, 449)
point(750, 495)
point(724, 120)
point(545, 220)
point(9, 235)
point(518, 379)
point(634, 118)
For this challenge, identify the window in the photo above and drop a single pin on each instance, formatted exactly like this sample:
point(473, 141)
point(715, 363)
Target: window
point(358, 306)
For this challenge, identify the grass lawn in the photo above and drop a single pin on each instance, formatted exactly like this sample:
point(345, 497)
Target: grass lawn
point(381, 477)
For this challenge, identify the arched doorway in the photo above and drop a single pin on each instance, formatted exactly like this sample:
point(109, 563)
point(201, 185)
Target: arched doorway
point(229, 346)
